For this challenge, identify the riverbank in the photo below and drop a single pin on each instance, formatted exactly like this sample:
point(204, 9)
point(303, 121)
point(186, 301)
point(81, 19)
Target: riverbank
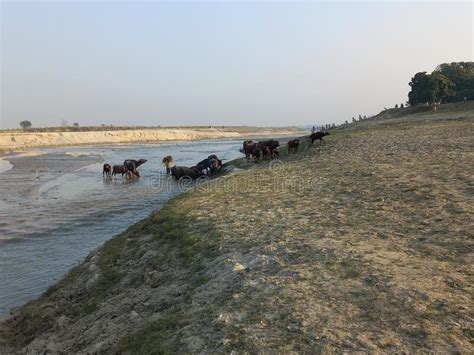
point(363, 243)
point(15, 140)
point(56, 207)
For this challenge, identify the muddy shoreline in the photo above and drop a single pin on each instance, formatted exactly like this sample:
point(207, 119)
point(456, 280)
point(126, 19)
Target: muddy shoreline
point(43, 200)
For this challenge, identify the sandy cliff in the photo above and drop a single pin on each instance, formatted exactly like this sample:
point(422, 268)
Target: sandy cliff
point(19, 140)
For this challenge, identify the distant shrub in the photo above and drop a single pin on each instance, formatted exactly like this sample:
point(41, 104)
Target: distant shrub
point(25, 124)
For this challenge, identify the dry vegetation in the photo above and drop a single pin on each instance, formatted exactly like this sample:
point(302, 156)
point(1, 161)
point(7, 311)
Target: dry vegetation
point(362, 243)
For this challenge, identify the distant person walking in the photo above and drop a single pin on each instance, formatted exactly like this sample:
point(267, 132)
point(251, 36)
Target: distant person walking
point(167, 161)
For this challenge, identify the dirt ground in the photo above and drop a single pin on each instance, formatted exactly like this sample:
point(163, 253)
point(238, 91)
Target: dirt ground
point(363, 243)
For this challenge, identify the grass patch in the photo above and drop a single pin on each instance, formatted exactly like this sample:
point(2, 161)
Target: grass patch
point(157, 337)
point(345, 269)
point(109, 275)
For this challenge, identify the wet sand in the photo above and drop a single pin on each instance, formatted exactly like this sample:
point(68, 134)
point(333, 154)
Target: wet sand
point(5, 165)
point(26, 180)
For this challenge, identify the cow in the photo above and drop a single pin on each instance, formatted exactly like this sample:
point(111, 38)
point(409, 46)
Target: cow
point(121, 169)
point(245, 144)
point(180, 172)
point(215, 164)
point(107, 170)
point(266, 152)
point(211, 164)
point(248, 150)
point(257, 154)
point(273, 144)
point(293, 146)
point(318, 135)
point(269, 148)
point(247, 147)
point(132, 165)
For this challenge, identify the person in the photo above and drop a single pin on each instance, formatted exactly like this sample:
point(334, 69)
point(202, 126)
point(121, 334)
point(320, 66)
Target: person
point(167, 161)
point(313, 129)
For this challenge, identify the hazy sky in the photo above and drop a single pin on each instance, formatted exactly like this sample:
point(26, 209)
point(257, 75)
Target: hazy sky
point(191, 63)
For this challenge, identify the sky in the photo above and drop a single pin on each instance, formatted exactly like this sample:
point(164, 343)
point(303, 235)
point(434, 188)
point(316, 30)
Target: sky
point(219, 63)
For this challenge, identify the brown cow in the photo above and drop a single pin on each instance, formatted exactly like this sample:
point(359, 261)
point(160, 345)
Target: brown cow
point(293, 146)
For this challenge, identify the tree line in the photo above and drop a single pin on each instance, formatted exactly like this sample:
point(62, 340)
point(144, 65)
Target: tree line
point(449, 82)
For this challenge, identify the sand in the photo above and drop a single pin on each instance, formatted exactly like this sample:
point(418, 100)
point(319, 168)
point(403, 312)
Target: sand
point(20, 140)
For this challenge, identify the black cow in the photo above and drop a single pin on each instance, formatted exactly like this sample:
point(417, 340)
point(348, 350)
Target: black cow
point(132, 165)
point(318, 135)
point(180, 172)
point(272, 144)
point(121, 169)
point(269, 148)
point(211, 163)
point(249, 147)
point(257, 153)
point(107, 171)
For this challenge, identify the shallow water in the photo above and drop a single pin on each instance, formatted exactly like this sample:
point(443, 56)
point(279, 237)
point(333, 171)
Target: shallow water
point(5, 165)
point(56, 208)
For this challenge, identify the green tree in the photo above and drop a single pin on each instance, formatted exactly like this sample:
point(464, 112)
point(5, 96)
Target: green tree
point(442, 89)
point(461, 80)
point(427, 88)
point(25, 124)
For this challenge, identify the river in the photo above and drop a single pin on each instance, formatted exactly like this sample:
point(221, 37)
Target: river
point(55, 206)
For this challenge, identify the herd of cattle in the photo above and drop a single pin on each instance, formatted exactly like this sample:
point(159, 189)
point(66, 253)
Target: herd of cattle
point(206, 167)
point(128, 168)
point(255, 151)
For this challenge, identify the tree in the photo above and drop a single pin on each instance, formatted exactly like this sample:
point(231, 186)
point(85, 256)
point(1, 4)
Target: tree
point(25, 124)
point(442, 89)
point(428, 88)
point(75, 124)
point(461, 80)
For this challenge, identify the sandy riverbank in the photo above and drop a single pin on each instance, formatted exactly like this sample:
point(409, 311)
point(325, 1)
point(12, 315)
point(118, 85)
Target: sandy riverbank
point(14, 140)
point(359, 244)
